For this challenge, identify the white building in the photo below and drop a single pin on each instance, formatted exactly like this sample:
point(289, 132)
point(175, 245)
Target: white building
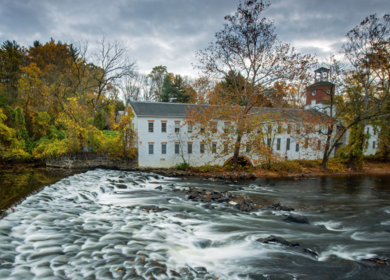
point(163, 139)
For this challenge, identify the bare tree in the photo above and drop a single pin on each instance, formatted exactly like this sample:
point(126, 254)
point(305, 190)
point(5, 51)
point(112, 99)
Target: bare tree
point(247, 49)
point(112, 64)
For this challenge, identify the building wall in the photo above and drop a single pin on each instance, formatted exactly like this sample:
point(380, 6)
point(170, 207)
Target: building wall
point(170, 159)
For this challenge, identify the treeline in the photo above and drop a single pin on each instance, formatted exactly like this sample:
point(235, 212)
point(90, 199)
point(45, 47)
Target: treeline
point(54, 100)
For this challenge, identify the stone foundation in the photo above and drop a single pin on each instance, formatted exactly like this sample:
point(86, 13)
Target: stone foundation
point(91, 160)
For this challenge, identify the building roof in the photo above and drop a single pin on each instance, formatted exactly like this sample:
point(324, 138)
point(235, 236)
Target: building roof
point(167, 109)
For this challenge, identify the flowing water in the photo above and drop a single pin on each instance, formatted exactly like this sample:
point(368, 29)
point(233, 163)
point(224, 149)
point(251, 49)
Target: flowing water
point(92, 226)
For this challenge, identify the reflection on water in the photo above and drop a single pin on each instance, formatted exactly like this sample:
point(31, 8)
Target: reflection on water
point(91, 226)
point(15, 186)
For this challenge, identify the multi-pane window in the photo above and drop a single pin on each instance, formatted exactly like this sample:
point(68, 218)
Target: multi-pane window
point(268, 142)
point(189, 148)
point(248, 148)
point(164, 127)
point(190, 128)
point(298, 129)
point(373, 144)
point(177, 127)
point(214, 148)
point(225, 148)
point(269, 128)
point(288, 144)
point(202, 129)
point(151, 150)
point(279, 129)
point(297, 147)
point(278, 144)
point(368, 130)
point(319, 145)
point(163, 149)
point(202, 148)
point(177, 148)
point(150, 127)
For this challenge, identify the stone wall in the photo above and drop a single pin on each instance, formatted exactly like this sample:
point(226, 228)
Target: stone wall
point(91, 160)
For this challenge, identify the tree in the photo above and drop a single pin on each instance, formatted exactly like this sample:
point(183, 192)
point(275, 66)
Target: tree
point(112, 64)
point(157, 76)
point(133, 87)
point(175, 90)
point(12, 57)
point(248, 47)
point(360, 51)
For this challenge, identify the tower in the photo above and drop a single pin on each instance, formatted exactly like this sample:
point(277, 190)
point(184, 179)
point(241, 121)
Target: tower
point(321, 91)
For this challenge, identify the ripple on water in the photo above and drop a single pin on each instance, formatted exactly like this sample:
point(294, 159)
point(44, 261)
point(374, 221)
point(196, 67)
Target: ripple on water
point(90, 226)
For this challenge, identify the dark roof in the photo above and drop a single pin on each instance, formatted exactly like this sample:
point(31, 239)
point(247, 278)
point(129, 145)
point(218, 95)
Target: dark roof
point(165, 109)
point(320, 83)
point(168, 109)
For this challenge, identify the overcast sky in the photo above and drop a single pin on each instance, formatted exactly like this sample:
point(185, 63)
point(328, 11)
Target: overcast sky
point(168, 32)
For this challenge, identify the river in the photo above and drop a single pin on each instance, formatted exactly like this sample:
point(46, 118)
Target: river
point(92, 226)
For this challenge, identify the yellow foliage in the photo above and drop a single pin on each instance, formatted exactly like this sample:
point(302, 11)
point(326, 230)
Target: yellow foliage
point(50, 149)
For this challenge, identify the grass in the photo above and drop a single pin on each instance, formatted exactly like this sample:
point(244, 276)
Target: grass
point(111, 133)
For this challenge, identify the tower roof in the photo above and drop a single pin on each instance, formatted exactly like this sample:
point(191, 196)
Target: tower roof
point(322, 69)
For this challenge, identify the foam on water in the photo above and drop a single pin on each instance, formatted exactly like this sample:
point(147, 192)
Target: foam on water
point(91, 226)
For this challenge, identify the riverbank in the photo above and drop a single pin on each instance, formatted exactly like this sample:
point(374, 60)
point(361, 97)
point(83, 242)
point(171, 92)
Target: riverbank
point(215, 173)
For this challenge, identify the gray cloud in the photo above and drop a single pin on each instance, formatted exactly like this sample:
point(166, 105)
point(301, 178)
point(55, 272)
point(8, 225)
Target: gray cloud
point(169, 32)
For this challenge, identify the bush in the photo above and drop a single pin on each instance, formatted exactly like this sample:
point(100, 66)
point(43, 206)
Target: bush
point(182, 166)
point(288, 165)
point(337, 164)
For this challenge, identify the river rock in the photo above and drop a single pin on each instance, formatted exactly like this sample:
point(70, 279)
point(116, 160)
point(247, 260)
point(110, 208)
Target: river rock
point(158, 188)
point(377, 261)
point(296, 219)
point(153, 208)
point(279, 240)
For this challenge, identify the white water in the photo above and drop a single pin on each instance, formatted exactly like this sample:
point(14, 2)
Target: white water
point(84, 227)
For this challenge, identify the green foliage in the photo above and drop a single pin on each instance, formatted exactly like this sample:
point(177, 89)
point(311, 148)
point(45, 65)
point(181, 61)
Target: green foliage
point(337, 164)
point(206, 168)
point(100, 120)
point(182, 166)
point(174, 87)
point(50, 148)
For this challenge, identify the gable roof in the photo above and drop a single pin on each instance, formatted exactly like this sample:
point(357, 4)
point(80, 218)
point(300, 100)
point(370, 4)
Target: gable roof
point(168, 109)
point(163, 109)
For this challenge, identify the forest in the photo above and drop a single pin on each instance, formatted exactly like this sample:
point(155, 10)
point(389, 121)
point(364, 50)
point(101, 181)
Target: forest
point(58, 98)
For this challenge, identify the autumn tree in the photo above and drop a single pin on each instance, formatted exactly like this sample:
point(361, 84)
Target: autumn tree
point(156, 77)
point(360, 51)
point(248, 47)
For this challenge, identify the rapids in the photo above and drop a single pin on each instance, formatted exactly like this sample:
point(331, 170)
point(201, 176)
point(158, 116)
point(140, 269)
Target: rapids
point(92, 226)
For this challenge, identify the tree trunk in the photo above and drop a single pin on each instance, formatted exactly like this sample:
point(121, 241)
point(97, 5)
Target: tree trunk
point(237, 151)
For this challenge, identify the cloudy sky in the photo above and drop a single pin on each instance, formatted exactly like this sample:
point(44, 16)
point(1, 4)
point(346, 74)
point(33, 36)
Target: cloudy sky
point(168, 32)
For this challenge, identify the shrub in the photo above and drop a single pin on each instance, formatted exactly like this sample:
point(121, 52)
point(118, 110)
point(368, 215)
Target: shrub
point(182, 166)
point(337, 164)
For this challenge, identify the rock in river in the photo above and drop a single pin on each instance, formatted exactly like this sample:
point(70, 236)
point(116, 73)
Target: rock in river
point(296, 219)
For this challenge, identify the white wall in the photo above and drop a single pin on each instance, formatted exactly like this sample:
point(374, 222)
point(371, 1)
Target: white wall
point(170, 159)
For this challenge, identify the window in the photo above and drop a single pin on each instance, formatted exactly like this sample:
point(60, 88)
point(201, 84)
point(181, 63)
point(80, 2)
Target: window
point(269, 128)
point(248, 148)
point(298, 129)
point(177, 127)
point(320, 129)
point(319, 145)
point(373, 144)
point(297, 147)
point(150, 126)
point(288, 144)
point(201, 148)
point(164, 127)
point(279, 129)
point(190, 128)
point(177, 148)
point(189, 148)
point(163, 149)
point(289, 129)
point(226, 127)
point(151, 149)
point(225, 148)
point(214, 148)
point(368, 130)
point(202, 129)
point(268, 142)
point(278, 144)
